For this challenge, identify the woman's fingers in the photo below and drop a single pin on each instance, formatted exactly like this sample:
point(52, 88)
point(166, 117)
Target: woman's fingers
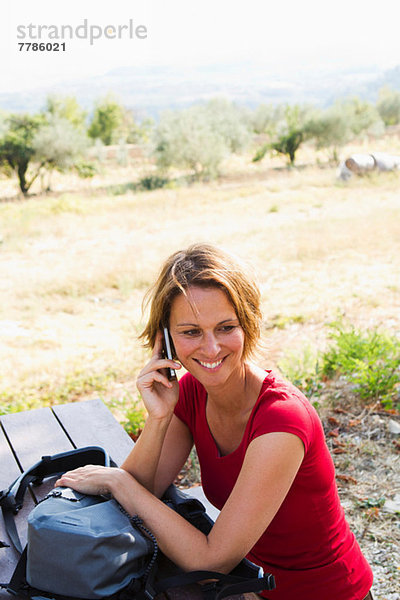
point(158, 346)
point(156, 364)
point(146, 380)
point(90, 479)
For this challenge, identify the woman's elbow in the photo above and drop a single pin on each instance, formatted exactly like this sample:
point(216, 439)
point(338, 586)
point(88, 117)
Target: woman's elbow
point(210, 560)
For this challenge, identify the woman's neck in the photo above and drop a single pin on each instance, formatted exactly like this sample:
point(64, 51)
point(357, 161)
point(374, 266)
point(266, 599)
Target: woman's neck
point(239, 392)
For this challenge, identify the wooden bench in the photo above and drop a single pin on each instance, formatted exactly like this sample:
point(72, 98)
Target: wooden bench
point(27, 436)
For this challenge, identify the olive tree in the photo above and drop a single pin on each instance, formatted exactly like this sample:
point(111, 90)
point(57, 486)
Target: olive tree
point(58, 145)
point(107, 120)
point(362, 116)
point(288, 133)
point(388, 105)
point(17, 148)
point(65, 107)
point(186, 139)
point(199, 137)
point(330, 129)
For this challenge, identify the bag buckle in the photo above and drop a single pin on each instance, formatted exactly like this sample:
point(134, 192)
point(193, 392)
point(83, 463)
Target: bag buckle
point(8, 501)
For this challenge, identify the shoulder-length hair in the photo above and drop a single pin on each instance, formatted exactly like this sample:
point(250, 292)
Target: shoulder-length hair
point(206, 266)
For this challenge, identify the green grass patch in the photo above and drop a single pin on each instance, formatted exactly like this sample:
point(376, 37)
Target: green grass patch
point(369, 360)
point(75, 385)
point(304, 372)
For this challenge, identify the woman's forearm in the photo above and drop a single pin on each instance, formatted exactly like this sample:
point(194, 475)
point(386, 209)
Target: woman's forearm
point(142, 462)
point(185, 545)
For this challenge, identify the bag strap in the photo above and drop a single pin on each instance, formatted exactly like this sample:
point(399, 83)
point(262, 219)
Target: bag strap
point(221, 586)
point(245, 577)
point(194, 511)
point(11, 500)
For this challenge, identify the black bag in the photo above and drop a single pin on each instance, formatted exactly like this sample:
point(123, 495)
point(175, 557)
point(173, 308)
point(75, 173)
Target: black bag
point(88, 547)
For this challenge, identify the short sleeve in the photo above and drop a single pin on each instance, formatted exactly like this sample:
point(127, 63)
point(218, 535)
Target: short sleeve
point(287, 411)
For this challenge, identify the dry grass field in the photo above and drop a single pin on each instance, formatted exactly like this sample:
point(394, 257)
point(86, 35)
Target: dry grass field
point(75, 265)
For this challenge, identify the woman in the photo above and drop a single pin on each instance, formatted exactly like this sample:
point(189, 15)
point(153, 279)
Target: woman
point(264, 461)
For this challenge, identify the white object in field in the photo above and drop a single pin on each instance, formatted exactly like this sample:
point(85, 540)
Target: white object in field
point(343, 172)
point(386, 162)
point(365, 163)
point(360, 163)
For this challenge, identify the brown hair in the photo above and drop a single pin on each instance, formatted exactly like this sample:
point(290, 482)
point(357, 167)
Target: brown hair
point(205, 266)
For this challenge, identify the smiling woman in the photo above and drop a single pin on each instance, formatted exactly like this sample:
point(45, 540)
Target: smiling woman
point(261, 447)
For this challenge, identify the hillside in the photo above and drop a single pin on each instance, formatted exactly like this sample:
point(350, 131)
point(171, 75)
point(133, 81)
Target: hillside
point(149, 90)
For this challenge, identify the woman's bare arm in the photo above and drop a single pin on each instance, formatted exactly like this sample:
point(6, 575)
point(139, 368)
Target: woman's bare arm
point(159, 454)
point(270, 466)
point(159, 396)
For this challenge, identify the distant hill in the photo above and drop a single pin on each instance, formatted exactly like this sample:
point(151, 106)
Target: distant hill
point(149, 90)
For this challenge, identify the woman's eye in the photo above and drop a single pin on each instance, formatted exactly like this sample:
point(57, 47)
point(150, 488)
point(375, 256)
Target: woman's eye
point(191, 332)
point(227, 328)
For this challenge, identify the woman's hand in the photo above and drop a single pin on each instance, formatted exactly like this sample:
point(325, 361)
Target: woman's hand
point(93, 479)
point(158, 393)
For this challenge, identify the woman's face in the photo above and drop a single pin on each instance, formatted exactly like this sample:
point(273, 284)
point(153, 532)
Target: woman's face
point(208, 338)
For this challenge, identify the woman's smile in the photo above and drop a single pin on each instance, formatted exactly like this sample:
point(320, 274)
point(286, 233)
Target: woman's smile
point(207, 335)
point(211, 366)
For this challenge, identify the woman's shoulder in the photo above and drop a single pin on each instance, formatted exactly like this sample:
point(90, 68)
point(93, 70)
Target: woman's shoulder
point(281, 406)
point(276, 388)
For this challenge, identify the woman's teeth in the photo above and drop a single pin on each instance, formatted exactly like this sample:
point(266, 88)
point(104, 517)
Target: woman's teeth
point(210, 365)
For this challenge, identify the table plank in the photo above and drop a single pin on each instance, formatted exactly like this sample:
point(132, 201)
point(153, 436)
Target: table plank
point(46, 431)
point(9, 471)
point(90, 423)
point(33, 434)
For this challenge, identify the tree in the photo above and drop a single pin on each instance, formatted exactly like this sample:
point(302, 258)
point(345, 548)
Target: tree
point(59, 145)
point(199, 137)
point(266, 117)
point(361, 116)
point(229, 121)
point(66, 107)
point(187, 139)
point(16, 147)
point(132, 130)
point(388, 105)
point(330, 129)
point(287, 134)
point(107, 120)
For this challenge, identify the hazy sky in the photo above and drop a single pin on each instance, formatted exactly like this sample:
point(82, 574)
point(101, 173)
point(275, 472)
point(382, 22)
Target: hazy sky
point(279, 33)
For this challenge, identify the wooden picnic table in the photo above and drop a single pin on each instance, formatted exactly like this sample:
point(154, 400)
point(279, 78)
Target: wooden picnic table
point(27, 436)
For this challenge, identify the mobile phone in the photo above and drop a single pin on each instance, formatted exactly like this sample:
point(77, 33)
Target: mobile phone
point(167, 347)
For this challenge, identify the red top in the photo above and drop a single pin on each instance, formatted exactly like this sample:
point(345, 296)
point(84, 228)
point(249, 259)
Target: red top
point(308, 545)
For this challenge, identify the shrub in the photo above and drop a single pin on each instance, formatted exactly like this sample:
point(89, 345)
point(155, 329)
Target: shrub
point(135, 418)
point(368, 360)
point(388, 105)
point(152, 182)
point(303, 371)
point(200, 137)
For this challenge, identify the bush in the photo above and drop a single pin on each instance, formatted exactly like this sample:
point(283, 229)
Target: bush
point(303, 371)
point(388, 105)
point(59, 144)
point(152, 182)
point(86, 169)
point(199, 137)
point(368, 360)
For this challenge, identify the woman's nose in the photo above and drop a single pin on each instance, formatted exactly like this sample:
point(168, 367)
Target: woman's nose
point(210, 346)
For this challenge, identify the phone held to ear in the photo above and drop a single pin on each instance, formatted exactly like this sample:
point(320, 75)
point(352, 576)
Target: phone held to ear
point(167, 347)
